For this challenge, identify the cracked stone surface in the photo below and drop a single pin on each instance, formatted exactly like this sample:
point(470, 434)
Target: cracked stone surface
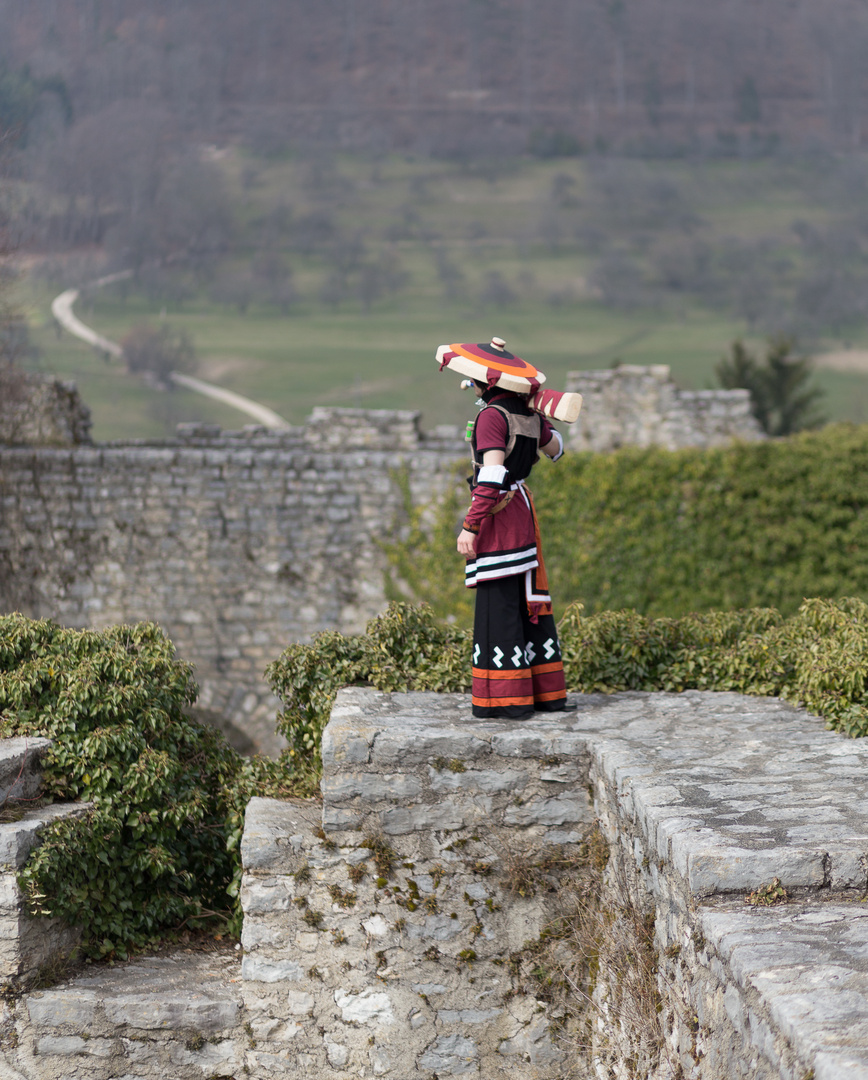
point(734, 789)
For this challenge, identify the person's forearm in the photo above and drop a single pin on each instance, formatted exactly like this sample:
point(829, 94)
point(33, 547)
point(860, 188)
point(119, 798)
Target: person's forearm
point(554, 448)
point(489, 488)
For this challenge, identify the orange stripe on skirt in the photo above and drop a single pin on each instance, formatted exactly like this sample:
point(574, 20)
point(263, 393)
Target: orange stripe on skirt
point(542, 669)
point(493, 673)
point(495, 702)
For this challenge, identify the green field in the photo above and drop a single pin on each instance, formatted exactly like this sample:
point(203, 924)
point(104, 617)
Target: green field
point(539, 226)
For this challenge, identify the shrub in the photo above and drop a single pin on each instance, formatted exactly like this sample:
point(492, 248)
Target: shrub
point(670, 532)
point(160, 847)
point(157, 353)
point(404, 649)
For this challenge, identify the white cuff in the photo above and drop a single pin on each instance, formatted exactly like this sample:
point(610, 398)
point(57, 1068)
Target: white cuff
point(560, 438)
point(492, 474)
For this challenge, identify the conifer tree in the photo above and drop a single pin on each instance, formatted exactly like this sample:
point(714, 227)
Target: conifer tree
point(782, 399)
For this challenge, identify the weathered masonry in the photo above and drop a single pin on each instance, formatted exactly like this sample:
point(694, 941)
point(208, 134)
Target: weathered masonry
point(237, 544)
point(386, 933)
point(638, 405)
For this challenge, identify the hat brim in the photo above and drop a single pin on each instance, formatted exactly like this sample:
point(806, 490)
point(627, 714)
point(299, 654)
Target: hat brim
point(508, 377)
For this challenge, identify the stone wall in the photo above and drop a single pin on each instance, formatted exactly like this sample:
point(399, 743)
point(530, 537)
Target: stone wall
point(403, 938)
point(631, 405)
point(40, 411)
point(237, 544)
point(430, 917)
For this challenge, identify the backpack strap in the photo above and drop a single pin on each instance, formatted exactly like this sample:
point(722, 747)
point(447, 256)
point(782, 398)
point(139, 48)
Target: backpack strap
point(517, 424)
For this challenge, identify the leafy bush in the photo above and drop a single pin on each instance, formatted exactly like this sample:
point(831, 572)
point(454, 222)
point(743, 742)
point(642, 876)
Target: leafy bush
point(160, 847)
point(818, 657)
point(670, 532)
point(157, 352)
point(404, 649)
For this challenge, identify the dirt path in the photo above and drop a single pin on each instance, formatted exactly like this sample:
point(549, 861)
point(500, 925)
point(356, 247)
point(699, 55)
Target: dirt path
point(852, 360)
point(61, 309)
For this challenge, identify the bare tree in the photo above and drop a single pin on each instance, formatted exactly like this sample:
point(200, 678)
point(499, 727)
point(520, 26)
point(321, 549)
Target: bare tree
point(156, 352)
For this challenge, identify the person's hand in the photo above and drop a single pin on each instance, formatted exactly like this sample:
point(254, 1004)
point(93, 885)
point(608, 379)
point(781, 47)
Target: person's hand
point(467, 543)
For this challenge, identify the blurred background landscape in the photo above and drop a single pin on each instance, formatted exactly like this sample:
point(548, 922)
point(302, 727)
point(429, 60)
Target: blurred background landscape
point(313, 197)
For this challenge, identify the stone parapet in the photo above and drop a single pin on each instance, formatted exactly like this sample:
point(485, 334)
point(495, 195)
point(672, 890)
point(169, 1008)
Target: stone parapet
point(240, 543)
point(415, 765)
point(702, 799)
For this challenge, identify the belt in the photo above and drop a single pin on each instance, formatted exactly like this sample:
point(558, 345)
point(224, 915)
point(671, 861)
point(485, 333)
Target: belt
point(507, 498)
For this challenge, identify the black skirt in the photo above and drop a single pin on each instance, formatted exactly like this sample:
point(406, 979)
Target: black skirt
point(517, 666)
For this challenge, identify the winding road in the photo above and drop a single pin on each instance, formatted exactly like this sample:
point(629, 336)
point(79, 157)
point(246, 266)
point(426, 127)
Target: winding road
point(61, 309)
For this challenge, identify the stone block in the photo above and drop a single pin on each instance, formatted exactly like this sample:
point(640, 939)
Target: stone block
point(258, 932)
point(847, 868)
point(65, 1045)
point(259, 969)
point(274, 833)
point(335, 819)
point(435, 928)
point(265, 895)
point(488, 781)
point(394, 748)
point(713, 868)
point(445, 815)
point(452, 1055)
point(62, 1008)
point(559, 810)
point(160, 1012)
point(368, 1006)
point(370, 787)
point(521, 744)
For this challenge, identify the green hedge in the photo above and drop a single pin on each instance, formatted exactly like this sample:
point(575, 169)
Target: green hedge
point(817, 657)
point(666, 533)
point(160, 848)
point(407, 648)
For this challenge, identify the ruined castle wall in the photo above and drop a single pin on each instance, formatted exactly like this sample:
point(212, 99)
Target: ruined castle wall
point(237, 544)
point(36, 410)
point(633, 405)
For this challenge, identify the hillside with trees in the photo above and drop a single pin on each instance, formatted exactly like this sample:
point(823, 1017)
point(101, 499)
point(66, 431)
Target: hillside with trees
point(310, 191)
point(450, 76)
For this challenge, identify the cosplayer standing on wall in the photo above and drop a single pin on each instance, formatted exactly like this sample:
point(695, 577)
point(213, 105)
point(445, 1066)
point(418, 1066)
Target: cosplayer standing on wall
point(517, 666)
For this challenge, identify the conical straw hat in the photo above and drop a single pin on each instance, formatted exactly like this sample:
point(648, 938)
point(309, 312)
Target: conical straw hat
point(491, 364)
